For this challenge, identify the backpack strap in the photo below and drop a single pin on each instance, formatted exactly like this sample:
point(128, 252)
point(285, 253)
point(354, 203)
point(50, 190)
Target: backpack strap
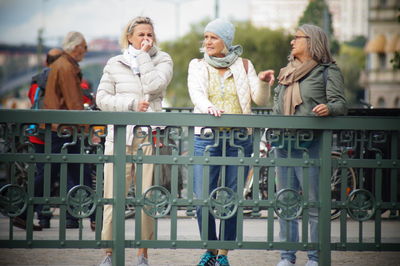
point(325, 75)
point(245, 64)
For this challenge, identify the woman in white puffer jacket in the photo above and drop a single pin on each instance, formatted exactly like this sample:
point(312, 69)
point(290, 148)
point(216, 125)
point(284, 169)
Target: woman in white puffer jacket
point(133, 81)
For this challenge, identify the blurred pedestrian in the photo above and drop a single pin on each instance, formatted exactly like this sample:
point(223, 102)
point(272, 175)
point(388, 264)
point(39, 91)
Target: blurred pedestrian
point(222, 82)
point(63, 92)
point(36, 96)
point(310, 85)
point(133, 81)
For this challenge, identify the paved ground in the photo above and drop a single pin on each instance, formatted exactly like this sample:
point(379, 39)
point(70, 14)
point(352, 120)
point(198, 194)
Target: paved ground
point(254, 229)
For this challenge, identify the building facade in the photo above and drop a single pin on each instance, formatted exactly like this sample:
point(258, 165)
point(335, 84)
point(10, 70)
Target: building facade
point(349, 17)
point(353, 19)
point(382, 81)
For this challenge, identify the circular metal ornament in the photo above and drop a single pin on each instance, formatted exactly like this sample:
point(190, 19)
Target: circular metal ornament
point(223, 203)
point(157, 201)
point(361, 205)
point(81, 201)
point(13, 200)
point(288, 204)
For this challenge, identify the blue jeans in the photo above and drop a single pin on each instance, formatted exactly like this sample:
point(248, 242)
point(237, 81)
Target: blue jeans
point(292, 177)
point(231, 176)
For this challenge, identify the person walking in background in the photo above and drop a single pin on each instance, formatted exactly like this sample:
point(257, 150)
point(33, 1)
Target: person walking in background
point(133, 81)
point(222, 82)
point(36, 96)
point(63, 92)
point(310, 85)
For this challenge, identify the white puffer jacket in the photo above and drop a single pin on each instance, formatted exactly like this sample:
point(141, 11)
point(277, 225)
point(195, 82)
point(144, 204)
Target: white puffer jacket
point(248, 86)
point(120, 90)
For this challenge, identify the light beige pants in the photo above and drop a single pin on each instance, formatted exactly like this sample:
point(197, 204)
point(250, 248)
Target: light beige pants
point(147, 221)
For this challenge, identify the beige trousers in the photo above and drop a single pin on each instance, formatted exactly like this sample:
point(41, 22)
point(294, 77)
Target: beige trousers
point(147, 221)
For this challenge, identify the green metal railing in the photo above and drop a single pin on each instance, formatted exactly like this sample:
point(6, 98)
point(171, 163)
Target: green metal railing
point(367, 150)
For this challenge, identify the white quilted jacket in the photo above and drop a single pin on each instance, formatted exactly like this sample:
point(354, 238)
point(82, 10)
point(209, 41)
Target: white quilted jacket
point(248, 86)
point(120, 90)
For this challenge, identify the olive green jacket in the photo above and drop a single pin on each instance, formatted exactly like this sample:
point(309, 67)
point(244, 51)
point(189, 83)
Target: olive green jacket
point(313, 92)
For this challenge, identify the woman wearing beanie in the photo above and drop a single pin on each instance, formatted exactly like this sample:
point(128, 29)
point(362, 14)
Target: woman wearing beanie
point(135, 81)
point(222, 83)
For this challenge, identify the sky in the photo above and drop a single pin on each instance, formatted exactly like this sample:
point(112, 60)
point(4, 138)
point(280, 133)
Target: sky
point(20, 20)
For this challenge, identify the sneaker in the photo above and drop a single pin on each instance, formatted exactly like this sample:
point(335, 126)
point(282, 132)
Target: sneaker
point(142, 261)
point(107, 261)
point(93, 225)
point(207, 259)
point(312, 263)
point(21, 223)
point(44, 223)
point(72, 224)
point(222, 260)
point(285, 262)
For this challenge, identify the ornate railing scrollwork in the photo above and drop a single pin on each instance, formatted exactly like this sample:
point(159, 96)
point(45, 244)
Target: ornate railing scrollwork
point(157, 201)
point(81, 201)
point(361, 205)
point(13, 200)
point(288, 204)
point(223, 203)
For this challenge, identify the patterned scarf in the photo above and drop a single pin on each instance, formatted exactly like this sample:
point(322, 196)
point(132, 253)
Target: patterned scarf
point(290, 76)
point(227, 61)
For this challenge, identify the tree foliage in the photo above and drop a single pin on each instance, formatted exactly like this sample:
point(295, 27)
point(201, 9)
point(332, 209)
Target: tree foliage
point(315, 14)
point(351, 61)
point(267, 49)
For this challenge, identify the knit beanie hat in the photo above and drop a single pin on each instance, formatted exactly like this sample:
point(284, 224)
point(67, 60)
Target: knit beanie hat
point(223, 28)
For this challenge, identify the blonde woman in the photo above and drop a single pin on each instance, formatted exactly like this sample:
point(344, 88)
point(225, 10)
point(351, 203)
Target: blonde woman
point(133, 81)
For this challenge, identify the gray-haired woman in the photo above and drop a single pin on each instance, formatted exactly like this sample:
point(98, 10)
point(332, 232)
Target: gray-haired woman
point(310, 85)
point(133, 81)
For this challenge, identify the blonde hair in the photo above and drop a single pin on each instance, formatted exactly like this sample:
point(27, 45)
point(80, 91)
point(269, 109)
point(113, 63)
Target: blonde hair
point(318, 43)
point(72, 40)
point(130, 27)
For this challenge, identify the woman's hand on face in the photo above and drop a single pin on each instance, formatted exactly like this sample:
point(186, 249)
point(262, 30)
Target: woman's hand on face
point(146, 45)
point(321, 110)
point(267, 76)
point(142, 106)
point(214, 111)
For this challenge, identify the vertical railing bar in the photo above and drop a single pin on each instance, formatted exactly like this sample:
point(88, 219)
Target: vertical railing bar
point(119, 196)
point(240, 185)
point(174, 195)
point(99, 192)
point(189, 185)
point(394, 171)
point(271, 199)
point(139, 196)
point(205, 212)
point(324, 223)
point(306, 214)
point(81, 174)
point(63, 195)
point(30, 211)
point(343, 195)
point(378, 199)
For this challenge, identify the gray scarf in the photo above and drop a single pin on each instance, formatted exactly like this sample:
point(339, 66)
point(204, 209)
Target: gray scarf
point(227, 61)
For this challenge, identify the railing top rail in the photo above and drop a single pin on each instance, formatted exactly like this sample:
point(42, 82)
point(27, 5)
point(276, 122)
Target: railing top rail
point(191, 119)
